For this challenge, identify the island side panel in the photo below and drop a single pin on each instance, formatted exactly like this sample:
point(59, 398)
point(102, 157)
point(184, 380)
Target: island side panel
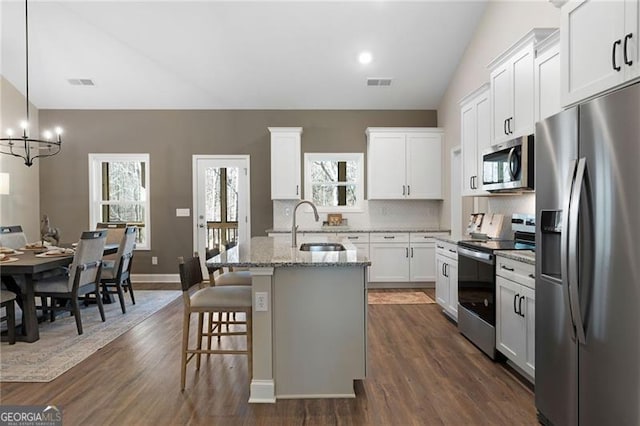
point(262, 381)
point(319, 331)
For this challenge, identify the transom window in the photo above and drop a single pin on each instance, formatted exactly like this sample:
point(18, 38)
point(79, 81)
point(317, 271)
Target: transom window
point(119, 192)
point(334, 182)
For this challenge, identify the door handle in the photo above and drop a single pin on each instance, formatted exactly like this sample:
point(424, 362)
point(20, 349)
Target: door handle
point(564, 247)
point(520, 306)
point(200, 225)
point(515, 303)
point(613, 55)
point(626, 50)
point(573, 249)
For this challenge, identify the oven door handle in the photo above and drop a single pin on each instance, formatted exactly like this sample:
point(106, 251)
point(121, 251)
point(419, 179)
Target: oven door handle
point(477, 255)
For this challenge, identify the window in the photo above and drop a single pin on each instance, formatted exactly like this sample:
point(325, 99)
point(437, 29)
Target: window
point(334, 181)
point(119, 192)
point(221, 208)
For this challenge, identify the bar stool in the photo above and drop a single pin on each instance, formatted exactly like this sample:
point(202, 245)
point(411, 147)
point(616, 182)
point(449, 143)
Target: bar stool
point(232, 277)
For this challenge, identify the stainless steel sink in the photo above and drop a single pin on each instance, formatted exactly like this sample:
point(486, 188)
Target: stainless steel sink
point(322, 247)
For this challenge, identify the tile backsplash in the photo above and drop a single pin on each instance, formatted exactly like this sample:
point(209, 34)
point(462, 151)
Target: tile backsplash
point(510, 204)
point(387, 213)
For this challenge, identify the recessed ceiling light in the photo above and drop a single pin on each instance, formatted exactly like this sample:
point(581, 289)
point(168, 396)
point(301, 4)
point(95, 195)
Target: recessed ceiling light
point(365, 58)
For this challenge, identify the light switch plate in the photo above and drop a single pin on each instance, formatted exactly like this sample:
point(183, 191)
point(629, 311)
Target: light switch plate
point(183, 212)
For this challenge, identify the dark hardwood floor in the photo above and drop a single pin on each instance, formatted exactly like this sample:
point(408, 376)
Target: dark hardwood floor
point(420, 372)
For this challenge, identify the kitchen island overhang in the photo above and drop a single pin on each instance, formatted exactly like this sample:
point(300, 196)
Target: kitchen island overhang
point(310, 342)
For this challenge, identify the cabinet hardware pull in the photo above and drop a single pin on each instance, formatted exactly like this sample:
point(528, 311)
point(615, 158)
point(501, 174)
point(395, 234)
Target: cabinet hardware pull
point(444, 274)
point(613, 55)
point(515, 304)
point(532, 276)
point(411, 251)
point(297, 189)
point(509, 121)
point(504, 126)
point(439, 246)
point(626, 50)
point(387, 237)
point(406, 254)
point(353, 238)
point(507, 268)
point(408, 189)
point(471, 182)
point(446, 270)
point(520, 306)
point(403, 190)
point(453, 251)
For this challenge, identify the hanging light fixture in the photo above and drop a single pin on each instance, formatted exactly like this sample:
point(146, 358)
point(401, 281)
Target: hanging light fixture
point(25, 146)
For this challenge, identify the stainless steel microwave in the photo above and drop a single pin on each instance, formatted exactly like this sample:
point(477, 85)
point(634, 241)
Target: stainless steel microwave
point(508, 167)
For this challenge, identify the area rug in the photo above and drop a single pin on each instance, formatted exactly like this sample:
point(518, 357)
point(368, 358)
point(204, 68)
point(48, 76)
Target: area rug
point(60, 347)
point(398, 298)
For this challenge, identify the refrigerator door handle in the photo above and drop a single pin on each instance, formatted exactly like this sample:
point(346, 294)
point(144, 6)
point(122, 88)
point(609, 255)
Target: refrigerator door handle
point(564, 247)
point(573, 250)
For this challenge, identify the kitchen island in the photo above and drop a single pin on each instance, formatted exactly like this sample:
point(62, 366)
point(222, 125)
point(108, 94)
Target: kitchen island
point(309, 317)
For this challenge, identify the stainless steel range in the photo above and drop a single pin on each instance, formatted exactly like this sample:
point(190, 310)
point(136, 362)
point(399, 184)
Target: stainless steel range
point(477, 284)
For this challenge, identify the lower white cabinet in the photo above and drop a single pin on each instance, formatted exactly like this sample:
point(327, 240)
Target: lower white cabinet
point(515, 313)
point(397, 257)
point(446, 265)
point(389, 262)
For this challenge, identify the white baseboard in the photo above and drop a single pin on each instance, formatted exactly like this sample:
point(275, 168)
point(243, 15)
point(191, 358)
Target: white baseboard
point(422, 284)
point(155, 278)
point(262, 392)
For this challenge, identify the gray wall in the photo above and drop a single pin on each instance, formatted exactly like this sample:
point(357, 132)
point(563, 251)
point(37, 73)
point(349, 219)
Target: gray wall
point(171, 138)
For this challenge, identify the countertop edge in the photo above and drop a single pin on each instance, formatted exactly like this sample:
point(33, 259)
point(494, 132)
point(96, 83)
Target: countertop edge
point(518, 255)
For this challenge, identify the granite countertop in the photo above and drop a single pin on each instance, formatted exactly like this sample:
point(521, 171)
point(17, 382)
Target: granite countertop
point(525, 256)
point(272, 252)
point(448, 239)
point(341, 229)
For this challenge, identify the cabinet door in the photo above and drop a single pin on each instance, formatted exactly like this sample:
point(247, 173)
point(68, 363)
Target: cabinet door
point(547, 83)
point(510, 327)
point(424, 166)
point(285, 166)
point(529, 312)
point(632, 26)
point(389, 262)
point(522, 93)
point(469, 148)
point(386, 166)
point(589, 32)
point(442, 282)
point(422, 261)
point(483, 138)
point(501, 93)
point(452, 274)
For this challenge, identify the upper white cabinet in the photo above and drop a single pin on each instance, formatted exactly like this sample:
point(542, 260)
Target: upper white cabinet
point(547, 77)
point(475, 133)
point(404, 163)
point(599, 45)
point(285, 163)
point(512, 88)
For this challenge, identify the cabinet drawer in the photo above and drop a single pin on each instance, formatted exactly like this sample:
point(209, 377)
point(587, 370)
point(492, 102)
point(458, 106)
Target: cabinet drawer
point(422, 237)
point(449, 250)
point(389, 237)
point(355, 237)
point(520, 272)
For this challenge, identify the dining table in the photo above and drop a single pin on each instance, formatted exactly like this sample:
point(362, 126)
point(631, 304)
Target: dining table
point(29, 265)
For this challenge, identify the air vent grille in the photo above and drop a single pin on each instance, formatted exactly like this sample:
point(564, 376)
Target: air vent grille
point(379, 82)
point(81, 82)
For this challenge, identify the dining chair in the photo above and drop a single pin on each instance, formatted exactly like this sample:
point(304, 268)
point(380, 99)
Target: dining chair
point(116, 275)
point(115, 231)
point(83, 278)
point(12, 237)
point(208, 299)
point(7, 301)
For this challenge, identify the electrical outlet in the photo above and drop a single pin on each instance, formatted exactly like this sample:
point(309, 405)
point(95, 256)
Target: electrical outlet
point(154, 260)
point(287, 211)
point(262, 301)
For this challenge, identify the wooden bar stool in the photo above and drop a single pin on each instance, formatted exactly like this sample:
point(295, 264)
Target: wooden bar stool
point(232, 277)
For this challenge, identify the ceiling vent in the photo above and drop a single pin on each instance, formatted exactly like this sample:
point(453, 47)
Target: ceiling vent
point(378, 82)
point(81, 82)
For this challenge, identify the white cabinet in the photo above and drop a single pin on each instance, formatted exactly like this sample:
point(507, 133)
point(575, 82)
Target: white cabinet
point(512, 88)
point(600, 47)
point(285, 163)
point(404, 163)
point(422, 251)
point(547, 77)
point(475, 134)
point(447, 278)
point(515, 313)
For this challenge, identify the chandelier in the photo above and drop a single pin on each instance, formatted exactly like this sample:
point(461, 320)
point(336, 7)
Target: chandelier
point(24, 146)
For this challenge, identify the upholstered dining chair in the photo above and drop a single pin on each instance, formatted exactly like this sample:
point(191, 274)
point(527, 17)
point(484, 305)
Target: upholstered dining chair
point(83, 278)
point(12, 237)
point(116, 274)
point(221, 278)
point(208, 299)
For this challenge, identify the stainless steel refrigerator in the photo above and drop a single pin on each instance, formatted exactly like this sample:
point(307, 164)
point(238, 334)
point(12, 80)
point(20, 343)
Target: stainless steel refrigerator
point(588, 263)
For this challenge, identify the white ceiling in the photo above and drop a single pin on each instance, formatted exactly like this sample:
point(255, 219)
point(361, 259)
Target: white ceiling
point(236, 55)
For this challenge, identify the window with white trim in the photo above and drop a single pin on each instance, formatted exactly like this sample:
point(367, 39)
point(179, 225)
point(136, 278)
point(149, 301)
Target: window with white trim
point(119, 192)
point(334, 182)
